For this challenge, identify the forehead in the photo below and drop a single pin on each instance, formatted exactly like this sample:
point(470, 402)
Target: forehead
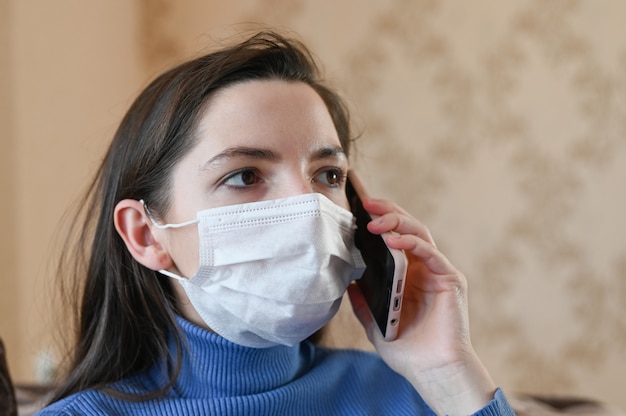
point(266, 111)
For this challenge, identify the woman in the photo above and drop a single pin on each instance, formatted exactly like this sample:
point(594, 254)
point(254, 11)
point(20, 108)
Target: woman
point(223, 241)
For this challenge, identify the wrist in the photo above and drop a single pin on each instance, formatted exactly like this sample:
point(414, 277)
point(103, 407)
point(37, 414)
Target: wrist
point(459, 388)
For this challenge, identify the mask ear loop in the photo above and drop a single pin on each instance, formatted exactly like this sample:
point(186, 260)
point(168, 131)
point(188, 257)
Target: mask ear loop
point(164, 226)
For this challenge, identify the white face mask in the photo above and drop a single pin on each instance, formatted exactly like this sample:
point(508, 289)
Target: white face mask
point(272, 272)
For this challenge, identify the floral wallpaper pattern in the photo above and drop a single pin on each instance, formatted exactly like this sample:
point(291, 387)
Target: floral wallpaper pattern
point(501, 125)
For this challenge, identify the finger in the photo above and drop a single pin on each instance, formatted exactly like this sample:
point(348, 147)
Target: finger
point(426, 252)
point(378, 206)
point(401, 224)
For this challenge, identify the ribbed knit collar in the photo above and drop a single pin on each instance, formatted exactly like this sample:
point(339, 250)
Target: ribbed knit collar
point(215, 367)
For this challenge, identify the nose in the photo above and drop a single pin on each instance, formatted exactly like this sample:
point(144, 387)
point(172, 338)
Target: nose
point(295, 185)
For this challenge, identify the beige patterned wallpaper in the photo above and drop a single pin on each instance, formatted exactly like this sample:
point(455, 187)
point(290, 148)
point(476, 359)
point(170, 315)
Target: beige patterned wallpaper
point(500, 124)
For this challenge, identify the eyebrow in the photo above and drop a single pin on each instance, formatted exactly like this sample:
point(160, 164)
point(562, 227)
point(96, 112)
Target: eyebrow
point(269, 155)
point(328, 152)
point(243, 151)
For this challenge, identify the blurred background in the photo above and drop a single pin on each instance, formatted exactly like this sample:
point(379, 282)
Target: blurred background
point(500, 124)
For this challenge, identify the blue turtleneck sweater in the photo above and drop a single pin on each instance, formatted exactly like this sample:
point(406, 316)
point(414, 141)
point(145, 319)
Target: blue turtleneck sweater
point(222, 378)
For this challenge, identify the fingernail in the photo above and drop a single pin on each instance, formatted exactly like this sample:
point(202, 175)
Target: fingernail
point(378, 221)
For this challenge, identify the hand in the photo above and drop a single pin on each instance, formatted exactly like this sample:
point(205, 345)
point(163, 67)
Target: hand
point(433, 349)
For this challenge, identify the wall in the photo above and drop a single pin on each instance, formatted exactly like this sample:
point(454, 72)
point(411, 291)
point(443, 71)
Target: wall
point(501, 125)
point(8, 182)
point(72, 72)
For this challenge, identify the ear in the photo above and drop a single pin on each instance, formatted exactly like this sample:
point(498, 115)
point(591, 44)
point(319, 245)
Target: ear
point(134, 226)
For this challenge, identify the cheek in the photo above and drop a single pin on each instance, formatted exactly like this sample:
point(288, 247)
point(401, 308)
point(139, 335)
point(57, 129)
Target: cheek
point(183, 248)
point(341, 199)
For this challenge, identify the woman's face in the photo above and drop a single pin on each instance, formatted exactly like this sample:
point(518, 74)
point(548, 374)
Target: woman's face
point(258, 140)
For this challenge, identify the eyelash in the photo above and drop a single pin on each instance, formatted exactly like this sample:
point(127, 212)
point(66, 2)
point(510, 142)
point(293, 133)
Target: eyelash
point(232, 175)
point(341, 177)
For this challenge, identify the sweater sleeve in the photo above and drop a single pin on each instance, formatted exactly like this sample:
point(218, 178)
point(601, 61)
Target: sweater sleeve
point(499, 406)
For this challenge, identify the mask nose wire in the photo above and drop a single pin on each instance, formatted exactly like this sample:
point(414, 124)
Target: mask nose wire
point(164, 226)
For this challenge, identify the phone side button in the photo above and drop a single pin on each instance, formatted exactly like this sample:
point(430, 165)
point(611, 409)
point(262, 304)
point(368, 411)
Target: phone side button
point(399, 286)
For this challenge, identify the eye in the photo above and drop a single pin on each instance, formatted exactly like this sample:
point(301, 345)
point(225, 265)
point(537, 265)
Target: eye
point(243, 178)
point(333, 177)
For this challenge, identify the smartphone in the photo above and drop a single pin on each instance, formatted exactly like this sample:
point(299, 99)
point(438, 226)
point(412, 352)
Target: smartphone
point(382, 283)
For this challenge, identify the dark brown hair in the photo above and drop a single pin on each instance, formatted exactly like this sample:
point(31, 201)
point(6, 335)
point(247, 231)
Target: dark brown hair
point(125, 313)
